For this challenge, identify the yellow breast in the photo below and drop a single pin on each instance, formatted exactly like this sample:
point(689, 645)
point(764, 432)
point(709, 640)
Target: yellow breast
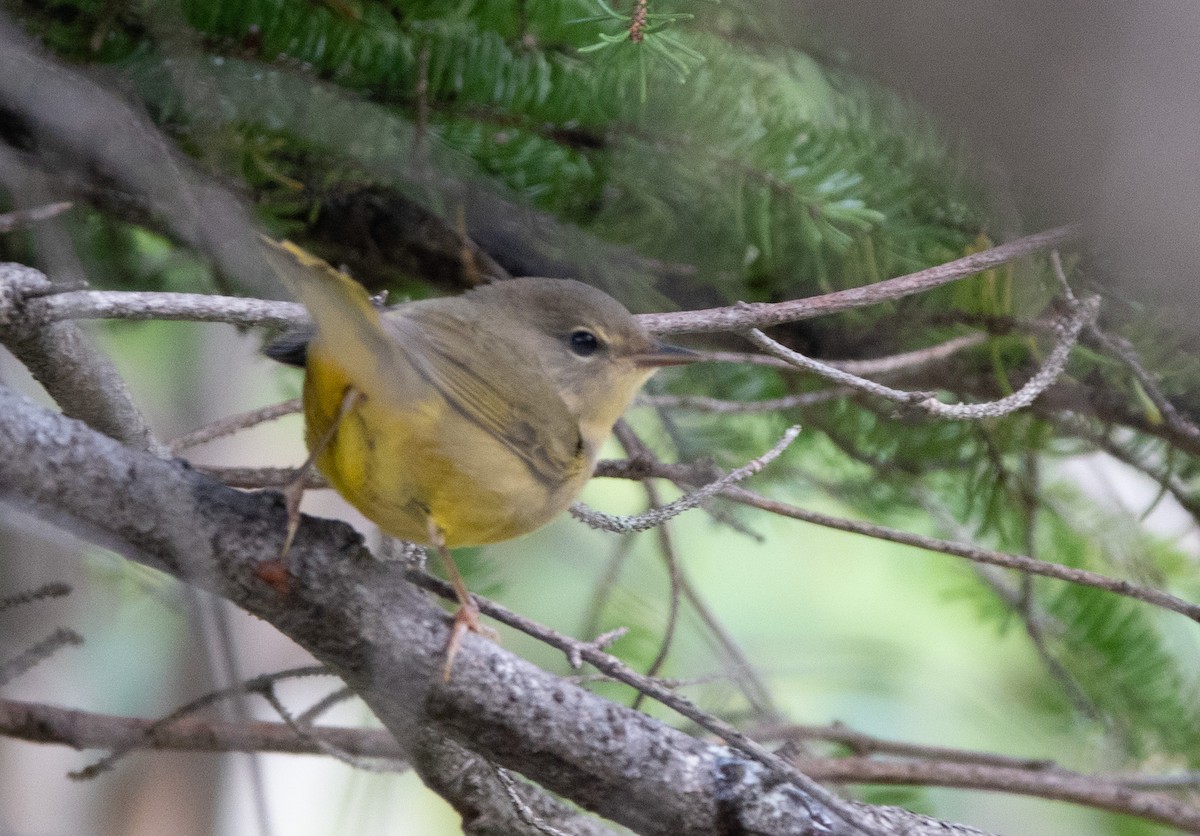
point(405, 465)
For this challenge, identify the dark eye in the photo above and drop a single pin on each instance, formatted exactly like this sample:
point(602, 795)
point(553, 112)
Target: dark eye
point(584, 342)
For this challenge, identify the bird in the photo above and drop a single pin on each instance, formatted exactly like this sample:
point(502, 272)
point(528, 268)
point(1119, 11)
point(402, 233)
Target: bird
point(462, 420)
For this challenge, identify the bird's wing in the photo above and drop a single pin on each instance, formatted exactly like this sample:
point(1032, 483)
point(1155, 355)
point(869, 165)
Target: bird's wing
point(509, 399)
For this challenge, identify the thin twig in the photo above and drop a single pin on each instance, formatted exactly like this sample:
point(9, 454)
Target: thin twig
point(232, 424)
point(524, 813)
point(590, 623)
point(1084, 577)
point(140, 305)
point(85, 730)
point(63, 359)
point(21, 218)
point(1166, 480)
point(262, 477)
point(892, 363)
point(860, 743)
point(310, 714)
point(1055, 784)
point(39, 723)
point(1125, 351)
point(671, 559)
point(703, 403)
point(1177, 780)
point(658, 516)
point(763, 315)
point(32, 656)
point(41, 593)
point(618, 670)
point(1030, 491)
point(741, 671)
point(255, 685)
point(306, 732)
point(1081, 315)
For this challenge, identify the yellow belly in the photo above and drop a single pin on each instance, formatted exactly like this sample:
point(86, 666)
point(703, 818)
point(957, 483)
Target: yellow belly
point(405, 465)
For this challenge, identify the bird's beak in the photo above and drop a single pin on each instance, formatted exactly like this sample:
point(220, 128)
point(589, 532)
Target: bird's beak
point(663, 354)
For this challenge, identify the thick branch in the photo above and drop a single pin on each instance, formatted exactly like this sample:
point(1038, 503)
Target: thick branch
point(62, 358)
point(386, 640)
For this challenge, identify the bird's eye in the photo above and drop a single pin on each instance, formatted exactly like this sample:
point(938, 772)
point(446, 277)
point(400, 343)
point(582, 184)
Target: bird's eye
point(584, 342)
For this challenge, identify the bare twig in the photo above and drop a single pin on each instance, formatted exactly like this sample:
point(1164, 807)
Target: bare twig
point(1177, 780)
point(667, 547)
point(262, 477)
point(305, 731)
point(86, 730)
point(762, 315)
point(41, 593)
point(1167, 480)
point(1082, 314)
point(256, 685)
point(22, 218)
point(703, 403)
point(865, 744)
point(892, 363)
point(741, 671)
point(658, 516)
point(30, 657)
point(523, 811)
point(1055, 784)
point(684, 475)
point(602, 590)
point(232, 424)
point(136, 305)
point(1122, 349)
point(310, 714)
point(143, 305)
point(1022, 563)
point(653, 688)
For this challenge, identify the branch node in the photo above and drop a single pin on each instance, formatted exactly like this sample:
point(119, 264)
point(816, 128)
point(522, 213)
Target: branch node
point(601, 643)
point(18, 284)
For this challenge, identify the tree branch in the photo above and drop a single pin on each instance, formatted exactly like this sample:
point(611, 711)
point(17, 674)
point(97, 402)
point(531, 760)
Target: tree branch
point(762, 315)
point(234, 423)
point(138, 305)
point(61, 358)
point(38, 723)
point(685, 475)
point(1082, 314)
point(1055, 784)
point(362, 620)
point(190, 306)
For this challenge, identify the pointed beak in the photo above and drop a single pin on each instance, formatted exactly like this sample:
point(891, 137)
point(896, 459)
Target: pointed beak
point(663, 354)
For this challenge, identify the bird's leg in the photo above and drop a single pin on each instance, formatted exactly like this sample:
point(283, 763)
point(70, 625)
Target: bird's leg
point(274, 571)
point(467, 617)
